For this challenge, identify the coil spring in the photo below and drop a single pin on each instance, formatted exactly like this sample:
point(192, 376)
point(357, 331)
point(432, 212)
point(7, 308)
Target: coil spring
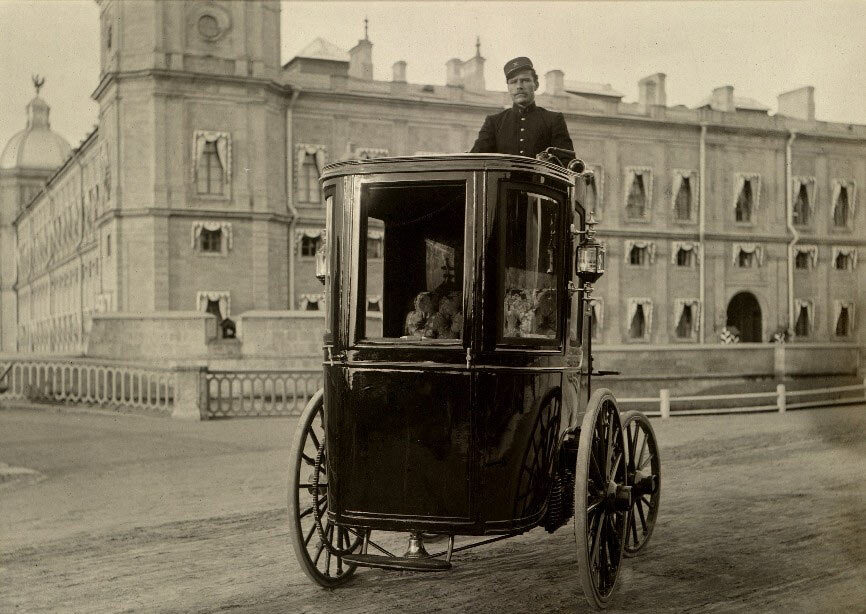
point(553, 517)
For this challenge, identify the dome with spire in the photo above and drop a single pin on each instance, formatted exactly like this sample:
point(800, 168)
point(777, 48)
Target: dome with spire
point(36, 147)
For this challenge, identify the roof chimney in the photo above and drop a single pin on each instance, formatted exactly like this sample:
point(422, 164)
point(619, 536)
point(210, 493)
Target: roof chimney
point(453, 76)
point(473, 70)
point(652, 90)
point(399, 71)
point(361, 58)
point(723, 99)
point(554, 83)
point(799, 103)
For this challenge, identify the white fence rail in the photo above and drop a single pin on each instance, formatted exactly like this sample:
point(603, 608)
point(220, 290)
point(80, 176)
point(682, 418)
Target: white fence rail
point(73, 381)
point(260, 393)
point(777, 400)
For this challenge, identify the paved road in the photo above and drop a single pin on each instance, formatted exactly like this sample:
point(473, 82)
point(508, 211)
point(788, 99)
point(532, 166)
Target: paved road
point(103, 513)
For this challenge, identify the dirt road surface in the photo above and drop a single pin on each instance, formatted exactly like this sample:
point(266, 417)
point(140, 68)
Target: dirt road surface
point(102, 513)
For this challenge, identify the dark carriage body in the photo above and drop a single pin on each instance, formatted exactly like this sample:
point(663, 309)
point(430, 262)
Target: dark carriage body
point(453, 428)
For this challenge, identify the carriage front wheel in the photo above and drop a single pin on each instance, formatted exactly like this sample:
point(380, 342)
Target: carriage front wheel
point(602, 498)
point(644, 469)
point(319, 545)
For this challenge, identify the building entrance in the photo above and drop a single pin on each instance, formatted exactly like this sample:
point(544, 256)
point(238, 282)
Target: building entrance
point(744, 312)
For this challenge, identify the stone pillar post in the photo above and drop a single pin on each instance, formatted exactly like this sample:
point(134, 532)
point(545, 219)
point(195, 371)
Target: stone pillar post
point(190, 392)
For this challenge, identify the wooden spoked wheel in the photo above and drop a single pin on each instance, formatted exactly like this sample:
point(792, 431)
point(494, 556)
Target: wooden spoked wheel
point(319, 549)
point(644, 469)
point(601, 498)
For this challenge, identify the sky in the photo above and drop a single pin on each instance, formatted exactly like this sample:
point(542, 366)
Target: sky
point(761, 48)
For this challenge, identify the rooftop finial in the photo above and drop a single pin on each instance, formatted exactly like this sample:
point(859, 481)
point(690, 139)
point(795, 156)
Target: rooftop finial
point(477, 46)
point(366, 23)
point(38, 82)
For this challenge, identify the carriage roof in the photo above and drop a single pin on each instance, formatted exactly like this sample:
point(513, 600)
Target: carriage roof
point(447, 162)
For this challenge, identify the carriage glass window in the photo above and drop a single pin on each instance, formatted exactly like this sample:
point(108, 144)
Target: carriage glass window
point(531, 259)
point(412, 256)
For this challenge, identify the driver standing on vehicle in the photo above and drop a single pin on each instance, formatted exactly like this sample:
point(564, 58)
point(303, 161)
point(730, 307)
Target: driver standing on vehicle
point(525, 129)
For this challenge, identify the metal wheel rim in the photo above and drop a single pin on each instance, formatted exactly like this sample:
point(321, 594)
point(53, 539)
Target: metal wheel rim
point(599, 525)
point(643, 455)
point(316, 559)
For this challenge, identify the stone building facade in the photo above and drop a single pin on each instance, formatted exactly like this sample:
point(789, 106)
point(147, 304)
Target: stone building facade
point(198, 190)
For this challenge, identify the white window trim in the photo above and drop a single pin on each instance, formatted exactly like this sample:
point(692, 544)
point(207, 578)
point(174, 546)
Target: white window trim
point(851, 188)
point(598, 178)
point(689, 246)
point(739, 183)
point(376, 299)
point(302, 150)
point(804, 180)
point(748, 248)
point(223, 296)
point(809, 305)
point(223, 142)
point(309, 233)
point(678, 175)
point(849, 251)
point(225, 227)
point(647, 305)
point(318, 298)
point(597, 306)
point(837, 312)
point(368, 153)
point(649, 246)
point(630, 173)
point(812, 250)
point(680, 305)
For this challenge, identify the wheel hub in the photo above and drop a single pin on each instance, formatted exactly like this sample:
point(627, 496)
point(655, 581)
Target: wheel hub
point(617, 496)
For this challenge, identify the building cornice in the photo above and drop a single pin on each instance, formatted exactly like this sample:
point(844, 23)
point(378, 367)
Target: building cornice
point(778, 126)
point(185, 75)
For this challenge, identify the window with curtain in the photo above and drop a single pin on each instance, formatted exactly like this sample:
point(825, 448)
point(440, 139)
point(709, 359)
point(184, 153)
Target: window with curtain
point(374, 247)
point(801, 206)
point(210, 241)
point(209, 172)
point(638, 256)
point(685, 325)
point(309, 246)
point(802, 328)
point(744, 205)
point(685, 257)
point(841, 207)
point(637, 198)
point(843, 322)
point(802, 260)
point(637, 326)
point(683, 200)
point(308, 184)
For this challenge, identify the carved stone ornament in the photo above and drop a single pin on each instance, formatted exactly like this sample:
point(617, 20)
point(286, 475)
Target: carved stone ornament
point(210, 21)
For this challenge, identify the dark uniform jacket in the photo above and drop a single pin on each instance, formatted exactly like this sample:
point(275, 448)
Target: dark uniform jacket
point(522, 132)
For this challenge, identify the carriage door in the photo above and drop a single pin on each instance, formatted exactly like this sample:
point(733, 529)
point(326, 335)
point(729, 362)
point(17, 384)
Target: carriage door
point(518, 393)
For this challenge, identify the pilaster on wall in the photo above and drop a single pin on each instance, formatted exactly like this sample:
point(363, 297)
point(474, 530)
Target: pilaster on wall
point(261, 270)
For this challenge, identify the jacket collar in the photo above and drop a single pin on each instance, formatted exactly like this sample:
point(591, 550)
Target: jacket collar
point(527, 109)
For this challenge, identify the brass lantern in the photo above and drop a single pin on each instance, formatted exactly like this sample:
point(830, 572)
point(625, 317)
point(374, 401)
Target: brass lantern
point(590, 254)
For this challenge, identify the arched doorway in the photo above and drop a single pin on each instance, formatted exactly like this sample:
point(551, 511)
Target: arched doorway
point(744, 312)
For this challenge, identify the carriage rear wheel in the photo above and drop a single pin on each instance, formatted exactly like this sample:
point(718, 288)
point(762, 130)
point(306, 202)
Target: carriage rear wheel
point(601, 498)
point(644, 469)
point(321, 559)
